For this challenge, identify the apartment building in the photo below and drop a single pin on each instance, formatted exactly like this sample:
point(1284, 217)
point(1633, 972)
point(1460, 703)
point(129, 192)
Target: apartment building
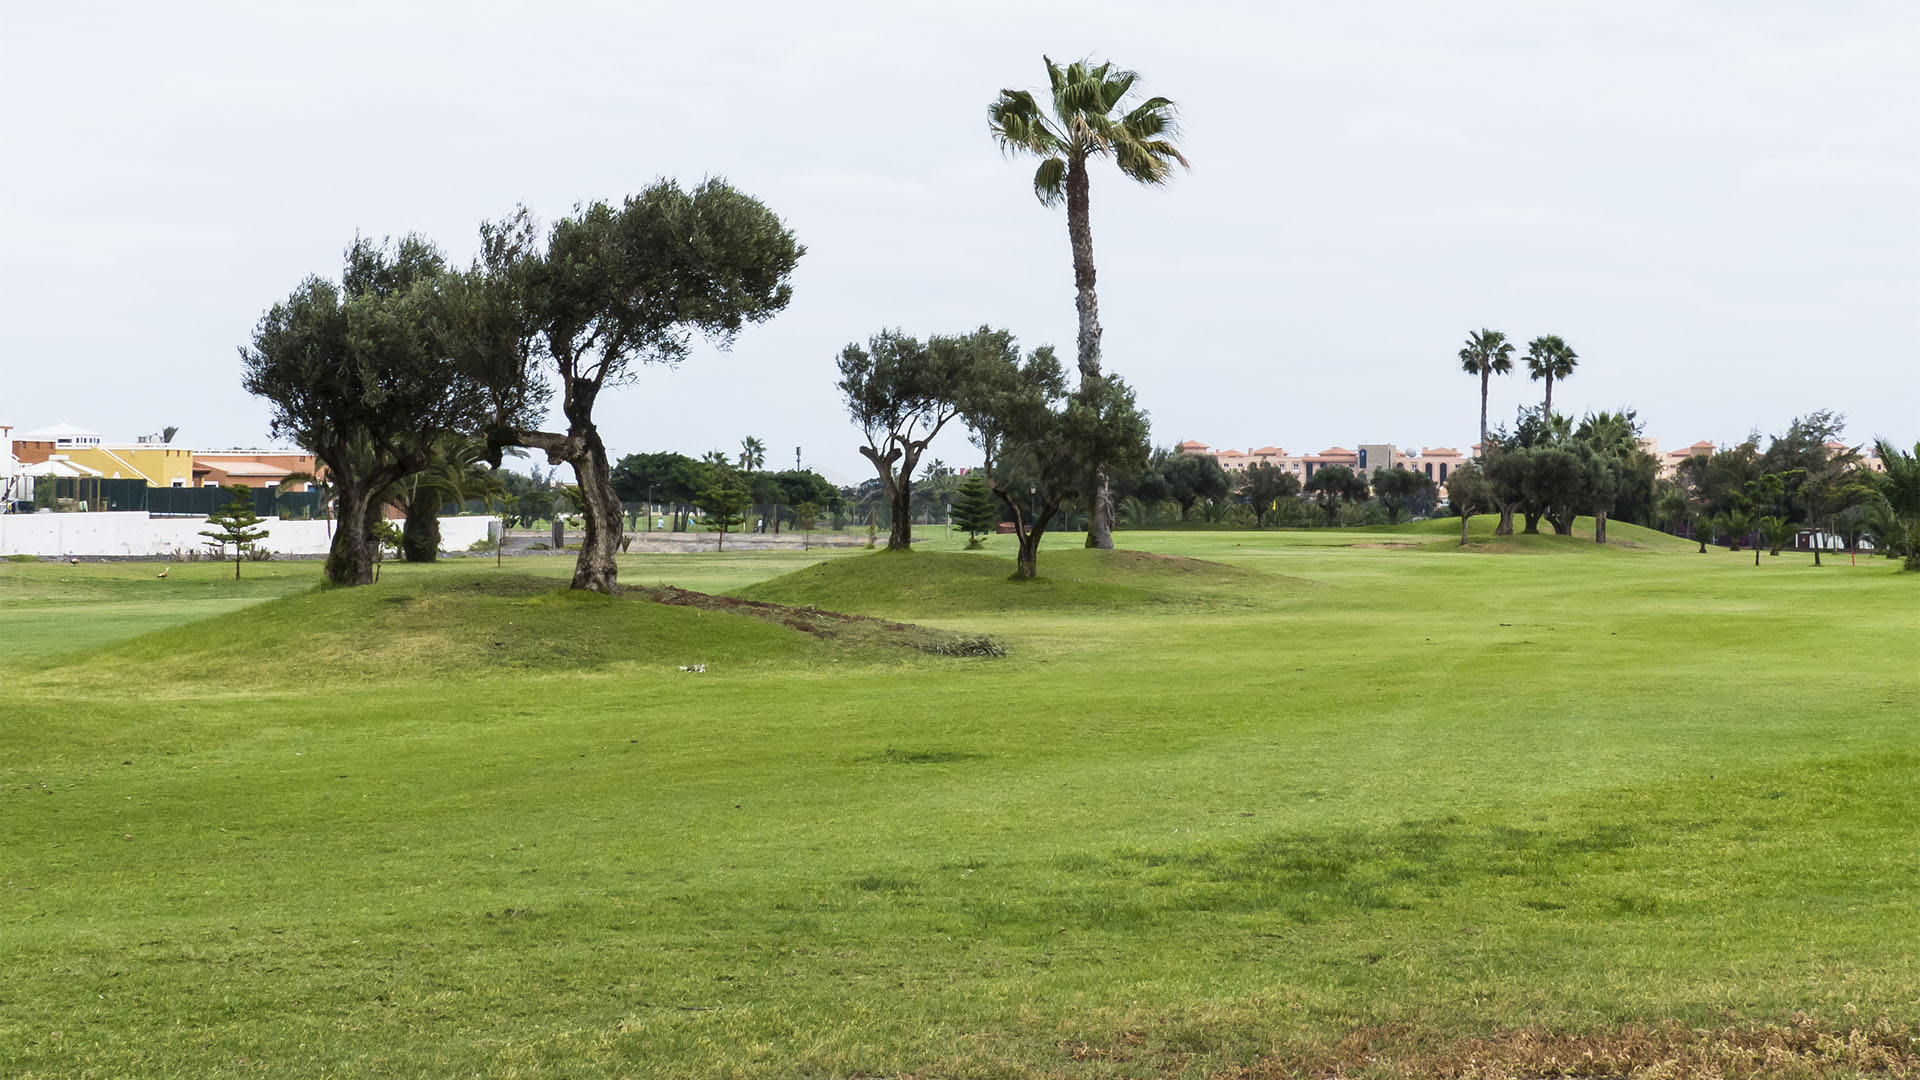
point(1436, 462)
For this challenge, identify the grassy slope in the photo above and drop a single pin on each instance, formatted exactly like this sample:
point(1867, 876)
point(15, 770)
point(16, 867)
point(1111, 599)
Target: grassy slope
point(1340, 784)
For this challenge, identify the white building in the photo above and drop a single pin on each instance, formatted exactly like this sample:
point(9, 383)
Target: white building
point(9, 469)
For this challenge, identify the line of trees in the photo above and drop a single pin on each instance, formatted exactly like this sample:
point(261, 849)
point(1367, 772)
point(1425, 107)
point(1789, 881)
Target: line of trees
point(1267, 494)
point(677, 481)
point(1806, 477)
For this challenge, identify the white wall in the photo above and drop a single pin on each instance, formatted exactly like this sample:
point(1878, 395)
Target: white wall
point(135, 533)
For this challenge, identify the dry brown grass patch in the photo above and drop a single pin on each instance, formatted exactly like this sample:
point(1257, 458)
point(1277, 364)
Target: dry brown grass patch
point(1804, 1047)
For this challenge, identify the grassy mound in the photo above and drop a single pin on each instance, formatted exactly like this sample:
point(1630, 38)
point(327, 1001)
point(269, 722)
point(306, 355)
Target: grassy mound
point(458, 625)
point(1437, 533)
point(931, 582)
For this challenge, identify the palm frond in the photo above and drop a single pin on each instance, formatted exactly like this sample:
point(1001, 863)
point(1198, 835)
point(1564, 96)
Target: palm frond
point(1050, 181)
point(1149, 162)
point(1018, 125)
point(1153, 117)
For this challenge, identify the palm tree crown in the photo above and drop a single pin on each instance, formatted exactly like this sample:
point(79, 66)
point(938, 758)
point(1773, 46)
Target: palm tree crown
point(1084, 124)
point(753, 454)
point(1486, 352)
point(1549, 357)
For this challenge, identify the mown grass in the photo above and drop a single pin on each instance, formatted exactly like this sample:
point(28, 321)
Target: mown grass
point(1199, 820)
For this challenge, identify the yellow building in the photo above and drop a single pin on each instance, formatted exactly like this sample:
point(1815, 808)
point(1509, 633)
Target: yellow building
point(159, 464)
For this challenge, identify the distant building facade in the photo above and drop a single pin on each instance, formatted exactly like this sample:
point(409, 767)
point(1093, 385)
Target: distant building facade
point(159, 463)
point(1435, 462)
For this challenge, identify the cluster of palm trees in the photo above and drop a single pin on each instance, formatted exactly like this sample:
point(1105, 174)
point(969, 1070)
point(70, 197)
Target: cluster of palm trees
point(1488, 353)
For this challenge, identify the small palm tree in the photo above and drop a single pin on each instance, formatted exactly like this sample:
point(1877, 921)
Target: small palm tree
point(1736, 524)
point(1486, 352)
point(1778, 531)
point(1086, 120)
point(753, 454)
point(1550, 358)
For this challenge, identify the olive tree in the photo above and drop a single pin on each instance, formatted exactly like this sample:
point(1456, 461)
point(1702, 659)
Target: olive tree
point(364, 375)
point(1263, 485)
point(901, 391)
point(1331, 485)
point(615, 288)
point(1401, 488)
point(1045, 445)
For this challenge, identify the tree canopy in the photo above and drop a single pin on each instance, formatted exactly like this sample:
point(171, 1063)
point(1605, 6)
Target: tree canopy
point(1263, 485)
point(1333, 485)
point(1043, 444)
point(1400, 489)
point(367, 375)
point(900, 392)
point(1189, 478)
point(617, 287)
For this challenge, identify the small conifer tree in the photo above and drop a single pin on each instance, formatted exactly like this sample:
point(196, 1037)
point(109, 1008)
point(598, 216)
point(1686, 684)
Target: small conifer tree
point(724, 501)
point(234, 524)
point(805, 516)
point(974, 512)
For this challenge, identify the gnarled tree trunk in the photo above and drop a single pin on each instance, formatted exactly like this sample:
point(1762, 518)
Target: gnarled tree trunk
point(582, 448)
point(350, 558)
point(1599, 526)
point(899, 490)
point(595, 569)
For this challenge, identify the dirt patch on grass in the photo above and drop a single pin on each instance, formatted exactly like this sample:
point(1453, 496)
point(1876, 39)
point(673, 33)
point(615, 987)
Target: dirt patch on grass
point(832, 625)
point(1802, 1047)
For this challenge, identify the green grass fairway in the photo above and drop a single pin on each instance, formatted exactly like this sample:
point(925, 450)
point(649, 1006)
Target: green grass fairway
point(1257, 804)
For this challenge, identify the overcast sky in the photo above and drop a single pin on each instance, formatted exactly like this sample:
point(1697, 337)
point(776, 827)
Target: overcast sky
point(1714, 203)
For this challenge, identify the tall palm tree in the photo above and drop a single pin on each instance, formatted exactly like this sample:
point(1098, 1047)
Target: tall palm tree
point(1550, 358)
point(1486, 352)
point(1086, 120)
point(753, 454)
